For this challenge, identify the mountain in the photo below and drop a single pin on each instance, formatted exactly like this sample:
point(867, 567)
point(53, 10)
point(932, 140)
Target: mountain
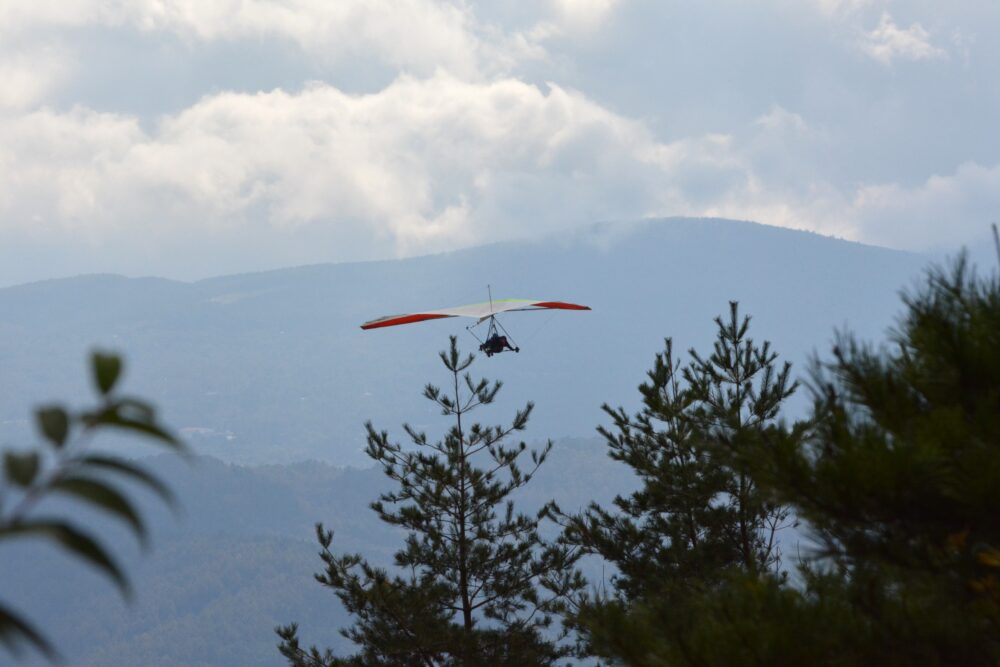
point(239, 560)
point(273, 367)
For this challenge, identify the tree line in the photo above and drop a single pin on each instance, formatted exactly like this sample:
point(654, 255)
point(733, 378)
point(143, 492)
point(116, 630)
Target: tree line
point(866, 532)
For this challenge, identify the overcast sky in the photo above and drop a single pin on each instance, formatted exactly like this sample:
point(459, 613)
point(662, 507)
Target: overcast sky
point(188, 138)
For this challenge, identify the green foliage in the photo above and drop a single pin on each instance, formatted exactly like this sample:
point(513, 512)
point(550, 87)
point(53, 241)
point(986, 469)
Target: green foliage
point(107, 368)
point(898, 480)
point(699, 518)
point(476, 583)
point(747, 619)
point(698, 513)
point(54, 424)
point(64, 466)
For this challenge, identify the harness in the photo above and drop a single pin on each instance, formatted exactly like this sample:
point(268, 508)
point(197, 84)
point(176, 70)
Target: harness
point(493, 328)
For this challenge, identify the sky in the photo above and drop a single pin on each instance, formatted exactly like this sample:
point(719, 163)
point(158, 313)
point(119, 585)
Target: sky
point(191, 138)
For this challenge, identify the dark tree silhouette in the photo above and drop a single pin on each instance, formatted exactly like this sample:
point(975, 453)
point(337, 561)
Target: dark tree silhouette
point(476, 585)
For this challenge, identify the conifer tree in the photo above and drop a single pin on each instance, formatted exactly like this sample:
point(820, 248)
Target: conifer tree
point(698, 511)
point(474, 583)
point(699, 515)
point(897, 482)
point(900, 479)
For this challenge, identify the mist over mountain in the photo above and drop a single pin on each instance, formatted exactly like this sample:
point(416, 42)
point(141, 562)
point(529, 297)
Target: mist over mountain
point(273, 367)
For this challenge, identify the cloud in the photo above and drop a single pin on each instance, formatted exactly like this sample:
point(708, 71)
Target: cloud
point(29, 75)
point(423, 165)
point(768, 173)
point(417, 36)
point(936, 213)
point(780, 120)
point(16, 17)
point(61, 168)
point(583, 14)
point(409, 34)
point(889, 42)
point(135, 136)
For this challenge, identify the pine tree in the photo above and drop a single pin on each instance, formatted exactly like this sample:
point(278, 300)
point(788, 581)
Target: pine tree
point(474, 583)
point(900, 479)
point(897, 480)
point(698, 515)
point(698, 511)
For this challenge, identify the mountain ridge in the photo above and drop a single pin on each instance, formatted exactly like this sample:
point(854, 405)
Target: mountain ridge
point(551, 236)
point(273, 367)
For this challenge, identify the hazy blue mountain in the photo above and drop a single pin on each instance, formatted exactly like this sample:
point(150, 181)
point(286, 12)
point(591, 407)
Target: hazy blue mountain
point(273, 367)
point(239, 560)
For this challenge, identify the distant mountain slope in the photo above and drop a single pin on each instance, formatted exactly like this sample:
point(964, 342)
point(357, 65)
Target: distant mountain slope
point(240, 560)
point(272, 367)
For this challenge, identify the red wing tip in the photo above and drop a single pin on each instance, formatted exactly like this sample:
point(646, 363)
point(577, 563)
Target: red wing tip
point(401, 319)
point(561, 305)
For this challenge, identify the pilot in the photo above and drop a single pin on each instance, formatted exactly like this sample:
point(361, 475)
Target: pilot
point(496, 344)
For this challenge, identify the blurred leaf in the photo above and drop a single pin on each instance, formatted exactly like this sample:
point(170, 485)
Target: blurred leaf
point(135, 410)
point(111, 416)
point(74, 541)
point(53, 423)
point(107, 368)
point(14, 630)
point(21, 468)
point(132, 471)
point(103, 496)
point(152, 430)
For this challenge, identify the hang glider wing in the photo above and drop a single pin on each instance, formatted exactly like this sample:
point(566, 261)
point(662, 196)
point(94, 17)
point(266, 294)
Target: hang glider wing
point(479, 311)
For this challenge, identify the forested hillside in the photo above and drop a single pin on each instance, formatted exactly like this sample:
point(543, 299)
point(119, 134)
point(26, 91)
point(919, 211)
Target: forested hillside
point(239, 559)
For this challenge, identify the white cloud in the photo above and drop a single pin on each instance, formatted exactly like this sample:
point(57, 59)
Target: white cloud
point(28, 76)
point(943, 211)
point(583, 14)
point(21, 15)
point(779, 119)
point(764, 173)
point(769, 174)
point(413, 36)
point(427, 165)
point(768, 115)
point(418, 36)
point(424, 165)
point(61, 170)
point(421, 35)
point(889, 42)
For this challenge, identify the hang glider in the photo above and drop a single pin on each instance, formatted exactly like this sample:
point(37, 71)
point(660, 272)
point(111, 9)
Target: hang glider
point(478, 311)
